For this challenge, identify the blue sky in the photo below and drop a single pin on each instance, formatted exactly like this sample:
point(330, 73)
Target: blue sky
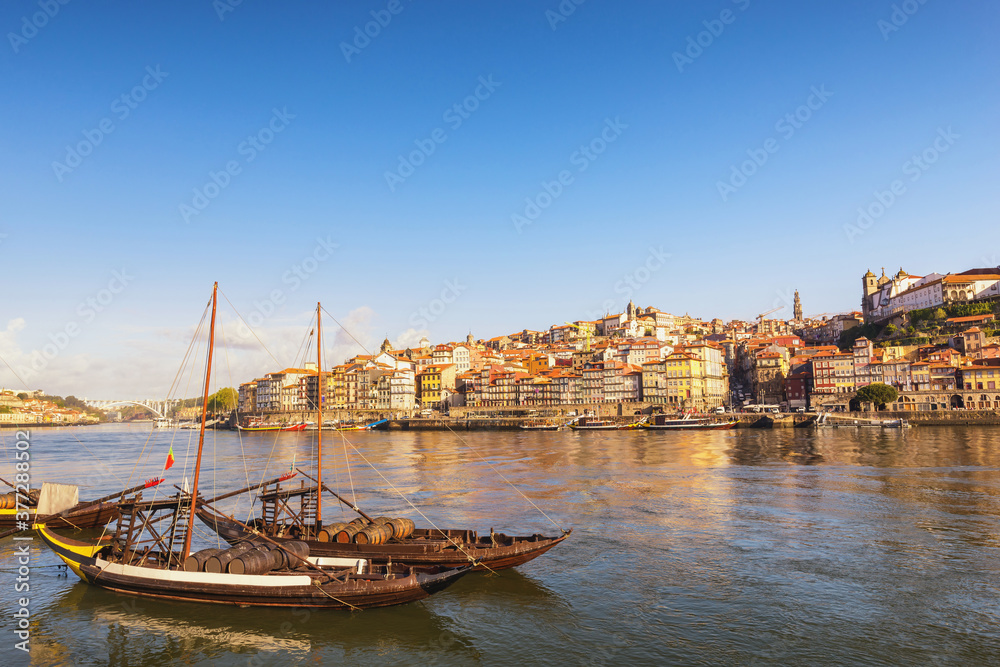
point(640, 213)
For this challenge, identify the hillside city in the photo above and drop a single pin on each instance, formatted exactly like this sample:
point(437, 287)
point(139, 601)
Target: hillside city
point(933, 338)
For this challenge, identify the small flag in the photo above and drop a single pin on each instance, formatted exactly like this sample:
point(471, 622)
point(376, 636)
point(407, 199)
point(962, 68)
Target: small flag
point(170, 458)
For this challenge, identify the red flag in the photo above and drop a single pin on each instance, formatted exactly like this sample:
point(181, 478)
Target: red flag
point(170, 458)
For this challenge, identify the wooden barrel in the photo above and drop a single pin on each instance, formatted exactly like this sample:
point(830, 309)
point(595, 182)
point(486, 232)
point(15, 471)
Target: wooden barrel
point(347, 534)
point(329, 533)
point(256, 561)
point(3, 502)
point(379, 520)
point(196, 561)
point(359, 522)
point(285, 551)
point(374, 535)
point(218, 562)
point(401, 529)
point(367, 536)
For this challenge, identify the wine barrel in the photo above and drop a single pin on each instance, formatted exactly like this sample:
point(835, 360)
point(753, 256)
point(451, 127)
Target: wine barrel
point(196, 561)
point(329, 534)
point(400, 529)
point(379, 520)
point(359, 522)
point(403, 528)
point(370, 535)
point(256, 561)
point(285, 551)
point(374, 535)
point(348, 533)
point(3, 502)
point(218, 562)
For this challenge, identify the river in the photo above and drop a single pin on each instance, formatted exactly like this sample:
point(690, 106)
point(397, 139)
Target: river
point(749, 547)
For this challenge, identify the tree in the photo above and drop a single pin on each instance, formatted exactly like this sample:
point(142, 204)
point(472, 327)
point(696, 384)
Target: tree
point(890, 330)
point(23, 396)
point(939, 314)
point(223, 400)
point(878, 394)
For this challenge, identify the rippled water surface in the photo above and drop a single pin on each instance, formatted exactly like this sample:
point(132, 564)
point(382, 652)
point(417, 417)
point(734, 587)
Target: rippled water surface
point(740, 547)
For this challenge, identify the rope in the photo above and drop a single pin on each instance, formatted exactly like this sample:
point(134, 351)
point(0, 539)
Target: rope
point(512, 485)
point(464, 441)
point(319, 587)
point(417, 510)
point(248, 327)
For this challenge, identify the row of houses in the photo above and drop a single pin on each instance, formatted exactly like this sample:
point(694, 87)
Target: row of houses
point(690, 375)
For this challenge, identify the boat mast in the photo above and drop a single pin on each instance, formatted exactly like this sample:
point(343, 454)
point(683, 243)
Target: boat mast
point(201, 435)
point(319, 421)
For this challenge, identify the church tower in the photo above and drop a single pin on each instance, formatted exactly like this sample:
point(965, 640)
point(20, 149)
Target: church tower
point(798, 307)
point(870, 286)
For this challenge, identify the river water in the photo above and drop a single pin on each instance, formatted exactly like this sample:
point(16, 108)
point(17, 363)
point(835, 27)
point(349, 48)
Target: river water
point(748, 547)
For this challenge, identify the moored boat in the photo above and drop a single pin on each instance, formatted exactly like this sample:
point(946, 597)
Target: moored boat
point(688, 423)
point(150, 555)
point(296, 514)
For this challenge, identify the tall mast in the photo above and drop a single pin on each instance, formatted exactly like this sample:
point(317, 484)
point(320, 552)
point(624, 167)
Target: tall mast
point(201, 435)
point(319, 421)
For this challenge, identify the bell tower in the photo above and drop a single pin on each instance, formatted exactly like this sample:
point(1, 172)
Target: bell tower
point(870, 286)
point(797, 309)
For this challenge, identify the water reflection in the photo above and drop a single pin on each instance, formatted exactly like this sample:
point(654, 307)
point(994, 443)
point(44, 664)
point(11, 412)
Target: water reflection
point(838, 546)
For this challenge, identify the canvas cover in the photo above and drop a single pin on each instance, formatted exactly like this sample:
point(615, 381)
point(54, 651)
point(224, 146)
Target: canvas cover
point(56, 498)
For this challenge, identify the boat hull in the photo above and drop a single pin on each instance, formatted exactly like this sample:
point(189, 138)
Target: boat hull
point(424, 547)
point(300, 588)
point(718, 426)
point(94, 516)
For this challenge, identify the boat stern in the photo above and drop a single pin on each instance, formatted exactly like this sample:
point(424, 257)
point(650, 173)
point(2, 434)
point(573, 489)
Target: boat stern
point(72, 552)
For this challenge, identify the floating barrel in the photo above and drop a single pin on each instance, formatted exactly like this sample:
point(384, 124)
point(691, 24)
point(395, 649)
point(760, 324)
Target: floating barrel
point(291, 553)
point(401, 528)
point(348, 532)
point(196, 561)
point(218, 562)
point(381, 520)
point(256, 561)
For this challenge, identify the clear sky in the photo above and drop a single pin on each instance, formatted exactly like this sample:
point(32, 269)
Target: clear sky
point(480, 167)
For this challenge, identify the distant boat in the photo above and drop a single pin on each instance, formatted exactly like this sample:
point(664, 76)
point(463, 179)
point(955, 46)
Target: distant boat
point(592, 424)
point(688, 423)
point(163, 422)
point(540, 427)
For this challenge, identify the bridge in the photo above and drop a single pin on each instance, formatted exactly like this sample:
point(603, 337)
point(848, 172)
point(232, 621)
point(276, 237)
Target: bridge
point(157, 407)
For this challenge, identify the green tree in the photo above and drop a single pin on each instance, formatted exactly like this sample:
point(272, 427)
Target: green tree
point(878, 394)
point(224, 400)
point(22, 396)
point(940, 315)
point(891, 329)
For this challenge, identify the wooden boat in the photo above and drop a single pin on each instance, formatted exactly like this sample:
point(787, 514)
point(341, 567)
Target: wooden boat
point(688, 423)
point(19, 509)
point(142, 557)
point(295, 514)
point(294, 427)
point(593, 424)
point(540, 427)
point(329, 583)
point(83, 515)
point(445, 547)
point(259, 426)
